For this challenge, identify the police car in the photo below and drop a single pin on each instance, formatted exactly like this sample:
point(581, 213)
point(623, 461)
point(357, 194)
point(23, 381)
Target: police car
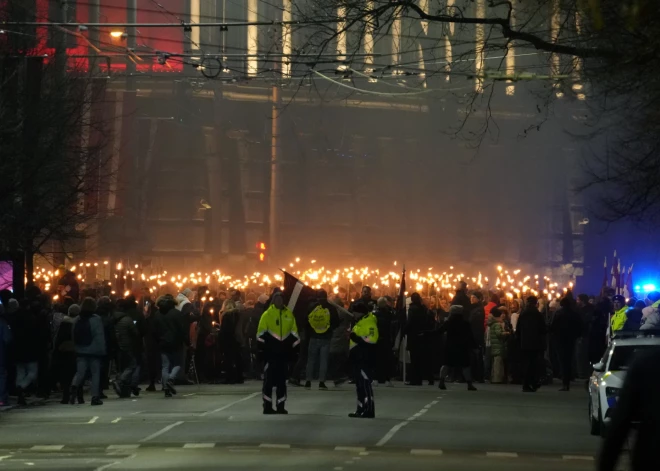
point(607, 379)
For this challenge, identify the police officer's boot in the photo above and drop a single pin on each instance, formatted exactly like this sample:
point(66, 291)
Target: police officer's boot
point(281, 409)
point(268, 408)
point(357, 414)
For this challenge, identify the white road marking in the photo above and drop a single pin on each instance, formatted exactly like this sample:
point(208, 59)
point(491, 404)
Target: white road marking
point(275, 445)
point(4, 457)
point(190, 394)
point(388, 436)
point(106, 466)
point(501, 454)
point(199, 445)
point(578, 457)
point(47, 447)
point(116, 420)
point(423, 452)
point(93, 419)
point(161, 431)
point(123, 447)
point(352, 449)
point(227, 406)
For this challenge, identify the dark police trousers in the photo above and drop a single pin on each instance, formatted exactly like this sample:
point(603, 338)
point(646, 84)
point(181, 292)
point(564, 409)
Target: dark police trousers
point(275, 375)
point(365, 393)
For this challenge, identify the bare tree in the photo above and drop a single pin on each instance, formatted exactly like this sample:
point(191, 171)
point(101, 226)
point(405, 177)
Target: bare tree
point(53, 142)
point(600, 53)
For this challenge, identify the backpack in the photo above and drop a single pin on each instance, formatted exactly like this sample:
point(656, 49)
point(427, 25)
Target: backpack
point(82, 332)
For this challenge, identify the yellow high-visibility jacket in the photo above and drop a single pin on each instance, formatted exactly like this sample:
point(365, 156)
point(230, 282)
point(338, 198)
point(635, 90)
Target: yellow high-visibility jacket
point(277, 331)
point(619, 319)
point(365, 331)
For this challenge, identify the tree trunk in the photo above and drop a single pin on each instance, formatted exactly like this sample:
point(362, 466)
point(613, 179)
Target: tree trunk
point(29, 266)
point(18, 268)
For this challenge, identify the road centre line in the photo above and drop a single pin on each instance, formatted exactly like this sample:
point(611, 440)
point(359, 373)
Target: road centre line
point(93, 419)
point(388, 436)
point(227, 406)
point(160, 432)
point(115, 420)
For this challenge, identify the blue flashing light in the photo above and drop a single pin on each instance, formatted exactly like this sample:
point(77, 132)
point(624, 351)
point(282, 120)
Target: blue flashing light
point(638, 288)
point(648, 287)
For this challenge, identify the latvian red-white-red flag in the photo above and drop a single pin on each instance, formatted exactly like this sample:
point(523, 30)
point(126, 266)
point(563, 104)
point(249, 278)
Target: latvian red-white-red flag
point(297, 295)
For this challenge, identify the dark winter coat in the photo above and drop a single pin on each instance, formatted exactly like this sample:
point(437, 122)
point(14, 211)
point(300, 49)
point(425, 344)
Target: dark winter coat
point(64, 337)
point(587, 318)
point(420, 322)
point(97, 347)
point(477, 316)
point(5, 340)
point(339, 342)
point(566, 326)
point(385, 317)
point(126, 333)
point(140, 327)
point(633, 319)
point(531, 330)
point(462, 299)
point(598, 334)
point(171, 331)
point(459, 342)
point(31, 336)
point(251, 324)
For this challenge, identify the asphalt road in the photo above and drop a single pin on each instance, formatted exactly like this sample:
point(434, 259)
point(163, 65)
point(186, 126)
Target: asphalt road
point(221, 427)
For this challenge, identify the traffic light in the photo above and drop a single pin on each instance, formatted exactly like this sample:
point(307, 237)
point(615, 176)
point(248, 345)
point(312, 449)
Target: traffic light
point(261, 251)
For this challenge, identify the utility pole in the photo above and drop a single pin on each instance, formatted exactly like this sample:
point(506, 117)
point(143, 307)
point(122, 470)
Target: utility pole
point(129, 135)
point(94, 17)
point(274, 162)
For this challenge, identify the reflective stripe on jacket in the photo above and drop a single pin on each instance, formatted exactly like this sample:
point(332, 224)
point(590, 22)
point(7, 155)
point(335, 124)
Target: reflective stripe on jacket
point(278, 324)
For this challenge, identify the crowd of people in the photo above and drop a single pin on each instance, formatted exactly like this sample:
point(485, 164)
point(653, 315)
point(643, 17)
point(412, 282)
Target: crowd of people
point(227, 336)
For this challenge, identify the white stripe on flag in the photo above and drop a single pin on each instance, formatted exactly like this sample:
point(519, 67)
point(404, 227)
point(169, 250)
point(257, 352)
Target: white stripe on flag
point(294, 296)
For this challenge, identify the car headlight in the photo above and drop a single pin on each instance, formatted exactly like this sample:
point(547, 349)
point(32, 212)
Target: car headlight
point(612, 392)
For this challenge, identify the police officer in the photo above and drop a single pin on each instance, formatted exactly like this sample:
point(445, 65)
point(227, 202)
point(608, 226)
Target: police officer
point(364, 337)
point(620, 309)
point(277, 335)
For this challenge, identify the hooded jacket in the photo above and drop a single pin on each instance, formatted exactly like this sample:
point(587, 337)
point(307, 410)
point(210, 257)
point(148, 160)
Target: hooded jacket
point(171, 330)
point(497, 337)
point(126, 332)
point(97, 347)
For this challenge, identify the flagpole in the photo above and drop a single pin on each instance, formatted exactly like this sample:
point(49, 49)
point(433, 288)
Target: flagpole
point(405, 339)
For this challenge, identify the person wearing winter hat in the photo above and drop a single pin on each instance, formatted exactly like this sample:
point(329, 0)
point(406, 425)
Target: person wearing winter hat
point(618, 320)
